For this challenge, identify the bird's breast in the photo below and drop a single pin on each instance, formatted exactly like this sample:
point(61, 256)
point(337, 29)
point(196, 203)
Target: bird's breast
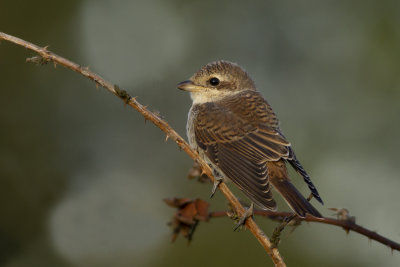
point(190, 128)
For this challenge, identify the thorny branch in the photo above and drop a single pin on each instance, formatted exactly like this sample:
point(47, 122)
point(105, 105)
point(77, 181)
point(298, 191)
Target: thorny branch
point(191, 212)
point(348, 224)
point(46, 56)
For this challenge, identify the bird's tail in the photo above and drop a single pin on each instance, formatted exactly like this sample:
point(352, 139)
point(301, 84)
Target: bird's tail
point(279, 179)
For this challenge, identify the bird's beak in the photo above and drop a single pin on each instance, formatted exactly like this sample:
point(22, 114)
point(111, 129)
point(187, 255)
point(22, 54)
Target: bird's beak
point(189, 86)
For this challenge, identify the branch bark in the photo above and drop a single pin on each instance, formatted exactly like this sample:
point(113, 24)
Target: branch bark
point(48, 56)
point(347, 225)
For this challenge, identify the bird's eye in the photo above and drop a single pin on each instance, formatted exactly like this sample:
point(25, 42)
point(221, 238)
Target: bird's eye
point(214, 81)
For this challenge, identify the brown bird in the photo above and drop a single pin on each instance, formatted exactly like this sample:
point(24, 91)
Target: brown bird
point(235, 130)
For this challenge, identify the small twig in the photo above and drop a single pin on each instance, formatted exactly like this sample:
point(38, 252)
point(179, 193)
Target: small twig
point(347, 225)
point(48, 56)
point(275, 238)
point(276, 234)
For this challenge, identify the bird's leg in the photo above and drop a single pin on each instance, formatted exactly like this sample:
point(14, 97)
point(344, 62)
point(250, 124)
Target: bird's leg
point(248, 213)
point(217, 181)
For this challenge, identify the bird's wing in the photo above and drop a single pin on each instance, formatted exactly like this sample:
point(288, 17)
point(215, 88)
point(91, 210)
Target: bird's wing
point(239, 134)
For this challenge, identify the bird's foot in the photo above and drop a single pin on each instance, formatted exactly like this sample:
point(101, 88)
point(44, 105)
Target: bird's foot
point(217, 182)
point(248, 213)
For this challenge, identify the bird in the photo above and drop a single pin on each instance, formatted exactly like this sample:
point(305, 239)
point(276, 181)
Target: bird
point(234, 129)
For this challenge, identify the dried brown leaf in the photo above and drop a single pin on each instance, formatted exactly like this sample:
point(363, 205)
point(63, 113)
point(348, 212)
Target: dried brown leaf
point(189, 213)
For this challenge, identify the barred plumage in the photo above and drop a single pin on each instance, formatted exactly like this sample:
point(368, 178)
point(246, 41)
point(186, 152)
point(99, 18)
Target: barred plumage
point(235, 130)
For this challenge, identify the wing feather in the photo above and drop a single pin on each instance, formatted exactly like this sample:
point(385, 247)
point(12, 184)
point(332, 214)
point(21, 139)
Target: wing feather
point(240, 140)
point(254, 182)
point(241, 136)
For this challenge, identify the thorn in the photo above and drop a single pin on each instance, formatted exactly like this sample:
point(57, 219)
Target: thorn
point(166, 138)
point(231, 215)
point(246, 215)
point(343, 215)
point(55, 64)
point(38, 60)
point(157, 113)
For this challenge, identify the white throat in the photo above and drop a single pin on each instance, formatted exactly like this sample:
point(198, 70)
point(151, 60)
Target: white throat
point(209, 96)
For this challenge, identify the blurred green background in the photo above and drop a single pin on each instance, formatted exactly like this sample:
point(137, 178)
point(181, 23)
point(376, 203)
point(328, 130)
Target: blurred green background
point(82, 177)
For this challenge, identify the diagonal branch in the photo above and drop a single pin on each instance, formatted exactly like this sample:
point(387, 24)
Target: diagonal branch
point(47, 56)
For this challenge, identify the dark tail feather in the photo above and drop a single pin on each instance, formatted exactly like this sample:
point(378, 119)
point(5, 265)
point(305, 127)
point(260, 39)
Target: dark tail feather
point(293, 197)
point(297, 166)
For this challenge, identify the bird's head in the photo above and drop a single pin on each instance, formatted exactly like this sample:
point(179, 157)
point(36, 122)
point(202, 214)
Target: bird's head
point(217, 80)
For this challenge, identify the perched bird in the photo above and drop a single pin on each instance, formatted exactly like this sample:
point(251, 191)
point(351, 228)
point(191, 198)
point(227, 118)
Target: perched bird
point(235, 130)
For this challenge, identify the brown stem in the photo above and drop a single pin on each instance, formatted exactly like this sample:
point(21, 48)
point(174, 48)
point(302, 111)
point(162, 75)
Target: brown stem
point(47, 56)
point(347, 225)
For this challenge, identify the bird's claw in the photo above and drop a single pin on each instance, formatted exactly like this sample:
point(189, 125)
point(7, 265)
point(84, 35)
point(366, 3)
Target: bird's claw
point(217, 181)
point(246, 215)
